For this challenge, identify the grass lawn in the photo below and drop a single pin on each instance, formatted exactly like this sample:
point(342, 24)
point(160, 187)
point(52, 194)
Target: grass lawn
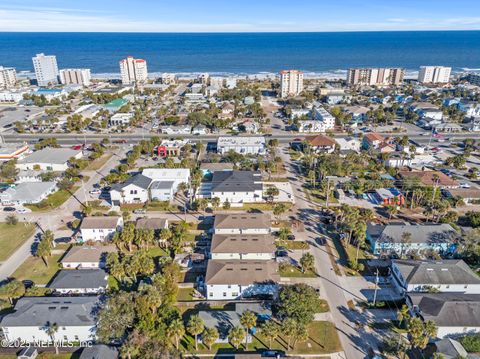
point(13, 236)
point(185, 294)
point(162, 206)
point(157, 251)
point(292, 245)
point(34, 269)
point(99, 162)
point(54, 200)
point(260, 206)
point(288, 270)
point(323, 339)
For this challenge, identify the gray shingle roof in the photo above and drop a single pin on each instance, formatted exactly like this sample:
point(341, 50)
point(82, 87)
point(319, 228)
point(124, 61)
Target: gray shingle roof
point(99, 351)
point(151, 223)
point(241, 243)
point(64, 311)
point(162, 184)
point(81, 278)
point(437, 272)
point(241, 272)
point(50, 155)
point(450, 348)
point(99, 223)
point(242, 221)
point(236, 181)
point(137, 180)
point(87, 253)
point(28, 191)
point(426, 233)
point(448, 309)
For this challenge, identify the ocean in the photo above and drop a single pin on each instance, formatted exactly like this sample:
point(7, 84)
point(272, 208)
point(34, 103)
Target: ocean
point(246, 53)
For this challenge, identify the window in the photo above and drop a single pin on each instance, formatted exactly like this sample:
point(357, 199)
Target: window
point(234, 294)
point(210, 294)
point(224, 294)
point(229, 286)
point(76, 337)
point(65, 337)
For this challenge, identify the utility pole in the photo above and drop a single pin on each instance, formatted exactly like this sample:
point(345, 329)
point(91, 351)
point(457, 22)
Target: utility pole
point(328, 192)
point(376, 288)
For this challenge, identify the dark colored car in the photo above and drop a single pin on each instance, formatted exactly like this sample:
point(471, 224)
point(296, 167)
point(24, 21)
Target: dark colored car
point(273, 354)
point(291, 237)
point(9, 209)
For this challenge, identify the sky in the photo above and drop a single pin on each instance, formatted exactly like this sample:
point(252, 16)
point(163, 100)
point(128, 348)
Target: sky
point(237, 15)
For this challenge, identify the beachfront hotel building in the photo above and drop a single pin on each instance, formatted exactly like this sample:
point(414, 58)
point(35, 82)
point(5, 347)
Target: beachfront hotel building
point(133, 70)
point(80, 77)
point(291, 83)
point(46, 69)
point(434, 74)
point(8, 77)
point(375, 76)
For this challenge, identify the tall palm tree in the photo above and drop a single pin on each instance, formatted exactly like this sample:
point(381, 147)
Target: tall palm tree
point(51, 329)
point(248, 320)
point(236, 335)
point(403, 314)
point(176, 330)
point(195, 326)
point(270, 330)
point(209, 337)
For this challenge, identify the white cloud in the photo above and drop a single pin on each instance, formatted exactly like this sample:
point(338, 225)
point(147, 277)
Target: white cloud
point(65, 20)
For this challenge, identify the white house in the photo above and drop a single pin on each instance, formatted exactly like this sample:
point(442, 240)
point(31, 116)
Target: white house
point(100, 228)
point(321, 121)
point(86, 281)
point(176, 175)
point(242, 223)
point(241, 246)
point(49, 159)
point(133, 190)
point(443, 276)
point(236, 279)
point(243, 145)
point(74, 317)
point(237, 187)
point(455, 314)
point(177, 130)
point(348, 144)
point(86, 257)
point(27, 193)
point(121, 119)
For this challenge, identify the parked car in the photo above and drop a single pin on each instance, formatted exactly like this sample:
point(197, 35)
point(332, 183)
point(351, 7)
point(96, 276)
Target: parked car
point(9, 209)
point(95, 191)
point(22, 210)
point(281, 252)
point(291, 237)
point(139, 211)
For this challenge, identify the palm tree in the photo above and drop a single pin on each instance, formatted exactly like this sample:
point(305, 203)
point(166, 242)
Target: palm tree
point(283, 233)
point(209, 337)
point(176, 330)
point(307, 262)
point(44, 250)
point(402, 315)
point(288, 327)
point(270, 330)
point(51, 328)
point(300, 334)
point(195, 326)
point(391, 210)
point(248, 320)
point(236, 336)
point(405, 239)
point(13, 289)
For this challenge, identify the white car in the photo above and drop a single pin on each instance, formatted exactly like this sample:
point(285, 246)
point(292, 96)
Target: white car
point(464, 185)
point(95, 191)
point(22, 210)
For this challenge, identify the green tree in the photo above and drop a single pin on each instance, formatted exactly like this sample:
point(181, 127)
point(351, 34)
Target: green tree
point(210, 336)
point(299, 302)
point(307, 262)
point(288, 327)
point(176, 330)
point(12, 290)
point(283, 233)
point(270, 331)
point(226, 205)
point(300, 334)
point(195, 327)
point(44, 248)
point(51, 329)
point(236, 335)
point(279, 209)
point(402, 315)
point(248, 320)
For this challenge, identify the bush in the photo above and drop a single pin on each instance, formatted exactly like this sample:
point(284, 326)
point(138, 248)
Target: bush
point(471, 343)
point(12, 219)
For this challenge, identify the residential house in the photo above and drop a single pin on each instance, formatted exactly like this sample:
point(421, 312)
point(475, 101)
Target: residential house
point(455, 314)
point(200, 130)
point(468, 195)
point(175, 175)
point(168, 148)
point(156, 224)
point(321, 121)
point(427, 110)
point(321, 143)
point(249, 126)
point(451, 349)
point(99, 351)
point(401, 159)
point(470, 108)
point(389, 196)
point(252, 145)
point(372, 140)
point(387, 239)
point(237, 187)
point(298, 112)
point(73, 316)
point(49, 159)
point(86, 281)
point(227, 112)
point(209, 168)
point(236, 279)
point(223, 321)
point(242, 246)
point(86, 257)
point(452, 275)
point(27, 193)
point(121, 119)
point(348, 144)
point(100, 228)
point(242, 223)
point(176, 130)
point(386, 148)
point(430, 178)
point(133, 190)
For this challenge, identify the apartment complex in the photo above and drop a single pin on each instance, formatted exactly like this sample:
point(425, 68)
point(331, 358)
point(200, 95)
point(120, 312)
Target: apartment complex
point(291, 83)
point(8, 77)
point(375, 76)
point(434, 74)
point(80, 77)
point(133, 70)
point(46, 69)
